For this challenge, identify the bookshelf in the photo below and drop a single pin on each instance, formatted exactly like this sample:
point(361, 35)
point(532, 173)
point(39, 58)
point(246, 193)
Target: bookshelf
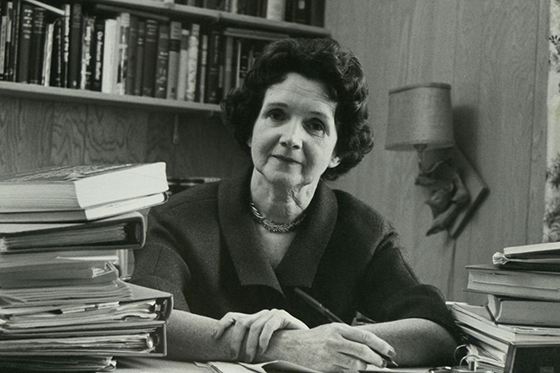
point(174, 11)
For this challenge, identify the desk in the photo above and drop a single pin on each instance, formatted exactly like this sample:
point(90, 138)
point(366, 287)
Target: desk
point(151, 365)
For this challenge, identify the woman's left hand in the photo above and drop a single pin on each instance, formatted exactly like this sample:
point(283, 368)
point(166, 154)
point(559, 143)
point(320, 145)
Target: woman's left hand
point(256, 328)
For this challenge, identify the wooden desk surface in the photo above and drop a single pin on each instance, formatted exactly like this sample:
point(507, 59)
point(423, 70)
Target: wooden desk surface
point(151, 365)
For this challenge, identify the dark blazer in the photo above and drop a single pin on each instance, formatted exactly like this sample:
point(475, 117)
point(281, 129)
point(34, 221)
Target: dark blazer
point(203, 248)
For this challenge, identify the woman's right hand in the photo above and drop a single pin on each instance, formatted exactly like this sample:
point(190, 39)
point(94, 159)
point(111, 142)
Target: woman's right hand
point(256, 329)
point(330, 348)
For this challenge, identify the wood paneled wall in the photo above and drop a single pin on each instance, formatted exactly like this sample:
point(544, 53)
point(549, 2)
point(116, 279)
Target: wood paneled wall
point(36, 134)
point(494, 54)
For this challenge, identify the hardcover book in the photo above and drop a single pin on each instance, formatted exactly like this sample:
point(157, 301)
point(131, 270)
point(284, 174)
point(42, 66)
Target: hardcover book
point(75, 46)
point(37, 45)
point(24, 48)
point(514, 283)
point(173, 64)
point(150, 56)
point(79, 187)
point(520, 311)
point(162, 61)
point(137, 91)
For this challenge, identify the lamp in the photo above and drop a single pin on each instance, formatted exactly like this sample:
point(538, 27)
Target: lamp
point(421, 119)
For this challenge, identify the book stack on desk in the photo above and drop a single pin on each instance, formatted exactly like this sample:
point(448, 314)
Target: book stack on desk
point(63, 303)
point(519, 325)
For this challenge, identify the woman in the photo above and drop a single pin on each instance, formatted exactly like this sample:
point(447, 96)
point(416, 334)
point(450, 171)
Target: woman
point(237, 254)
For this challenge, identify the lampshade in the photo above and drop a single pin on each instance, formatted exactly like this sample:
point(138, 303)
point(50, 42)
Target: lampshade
point(420, 115)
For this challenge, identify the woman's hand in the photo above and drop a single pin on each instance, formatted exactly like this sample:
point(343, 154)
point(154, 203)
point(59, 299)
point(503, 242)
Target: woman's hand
point(256, 329)
point(330, 348)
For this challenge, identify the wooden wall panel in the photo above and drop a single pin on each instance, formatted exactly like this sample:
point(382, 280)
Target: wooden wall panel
point(487, 50)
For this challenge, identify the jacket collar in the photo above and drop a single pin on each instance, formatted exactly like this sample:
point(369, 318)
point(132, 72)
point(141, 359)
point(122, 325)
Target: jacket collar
point(299, 265)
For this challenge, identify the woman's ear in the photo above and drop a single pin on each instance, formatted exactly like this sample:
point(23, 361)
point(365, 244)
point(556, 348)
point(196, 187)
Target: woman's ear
point(335, 161)
point(250, 141)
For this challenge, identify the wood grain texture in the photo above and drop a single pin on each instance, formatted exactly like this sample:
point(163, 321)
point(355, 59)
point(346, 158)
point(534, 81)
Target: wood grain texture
point(487, 50)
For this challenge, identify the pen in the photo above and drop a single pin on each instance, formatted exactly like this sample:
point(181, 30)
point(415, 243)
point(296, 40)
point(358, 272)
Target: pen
point(333, 318)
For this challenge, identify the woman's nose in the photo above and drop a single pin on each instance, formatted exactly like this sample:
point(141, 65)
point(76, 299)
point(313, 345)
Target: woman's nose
point(292, 135)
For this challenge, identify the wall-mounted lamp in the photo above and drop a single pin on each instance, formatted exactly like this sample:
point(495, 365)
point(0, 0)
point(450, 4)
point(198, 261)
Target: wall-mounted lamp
point(420, 118)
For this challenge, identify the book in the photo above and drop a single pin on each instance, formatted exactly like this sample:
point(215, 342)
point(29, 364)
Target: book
point(212, 90)
point(97, 54)
point(65, 45)
point(479, 318)
point(88, 49)
point(4, 22)
point(202, 63)
point(513, 283)
point(533, 250)
point(47, 55)
point(123, 34)
point(110, 56)
point(536, 262)
point(173, 62)
point(182, 75)
point(132, 55)
point(57, 261)
point(12, 53)
point(150, 56)
point(24, 47)
point(86, 214)
point(126, 231)
point(75, 46)
point(37, 49)
point(55, 78)
point(228, 63)
point(137, 91)
point(192, 67)
point(507, 310)
point(298, 11)
point(162, 61)
point(79, 187)
point(275, 9)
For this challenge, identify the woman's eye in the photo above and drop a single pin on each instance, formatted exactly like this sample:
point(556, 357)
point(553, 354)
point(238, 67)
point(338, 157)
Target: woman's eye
point(316, 126)
point(276, 115)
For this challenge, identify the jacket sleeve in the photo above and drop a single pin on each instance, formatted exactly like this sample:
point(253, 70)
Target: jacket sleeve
point(158, 264)
point(391, 291)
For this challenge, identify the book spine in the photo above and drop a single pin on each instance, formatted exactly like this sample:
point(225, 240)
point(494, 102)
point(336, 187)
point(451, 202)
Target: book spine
point(15, 33)
point(228, 65)
point(150, 55)
point(66, 45)
point(317, 13)
point(123, 26)
point(183, 65)
point(3, 37)
point(275, 9)
point(75, 46)
point(213, 68)
point(192, 64)
point(87, 50)
point(97, 56)
point(132, 53)
point(56, 62)
point(173, 65)
point(109, 56)
point(139, 58)
point(48, 55)
point(24, 48)
point(37, 45)
point(162, 61)
point(203, 58)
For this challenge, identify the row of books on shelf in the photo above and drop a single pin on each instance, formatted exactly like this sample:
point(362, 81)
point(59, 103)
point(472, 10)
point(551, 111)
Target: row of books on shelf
point(308, 12)
point(123, 51)
point(517, 329)
point(66, 234)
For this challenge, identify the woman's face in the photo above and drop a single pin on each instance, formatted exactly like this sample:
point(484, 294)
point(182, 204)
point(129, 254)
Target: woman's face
point(294, 136)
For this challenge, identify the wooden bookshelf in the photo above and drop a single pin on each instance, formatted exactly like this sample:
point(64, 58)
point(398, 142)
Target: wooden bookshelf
point(37, 92)
point(174, 11)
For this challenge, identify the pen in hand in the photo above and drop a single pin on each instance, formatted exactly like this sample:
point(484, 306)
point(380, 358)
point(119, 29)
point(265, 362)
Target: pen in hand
point(333, 318)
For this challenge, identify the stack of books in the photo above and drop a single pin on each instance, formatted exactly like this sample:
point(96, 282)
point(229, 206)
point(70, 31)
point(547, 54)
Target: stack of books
point(64, 233)
point(518, 328)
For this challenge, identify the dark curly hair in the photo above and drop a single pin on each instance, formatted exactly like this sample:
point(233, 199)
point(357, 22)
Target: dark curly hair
point(322, 60)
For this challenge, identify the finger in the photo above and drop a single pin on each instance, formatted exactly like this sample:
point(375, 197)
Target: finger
point(273, 325)
point(369, 339)
point(240, 331)
point(357, 353)
point(254, 335)
point(223, 324)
